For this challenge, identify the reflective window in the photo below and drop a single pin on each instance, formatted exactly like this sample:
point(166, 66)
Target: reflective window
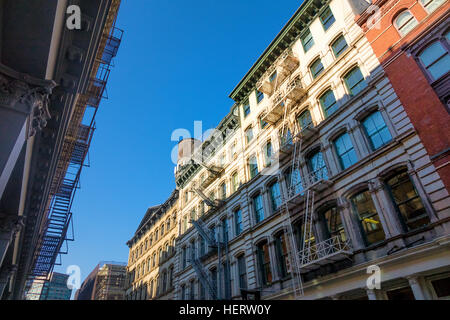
point(431, 5)
point(339, 46)
point(328, 103)
point(305, 120)
point(354, 81)
point(368, 218)
point(238, 221)
point(242, 270)
point(294, 182)
point(333, 224)
point(253, 166)
point(268, 152)
point(275, 196)
point(282, 255)
point(317, 167)
point(246, 109)
point(407, 202)
point(376, 130)
point(235, 181)
point(259, 96)
point(307, 40)
point(405, 22)
point(345, 151)
point(249, 134)
point(264, 264)
point(436, 60)
point(258, 208)
point(327, 18)
point(316, 68)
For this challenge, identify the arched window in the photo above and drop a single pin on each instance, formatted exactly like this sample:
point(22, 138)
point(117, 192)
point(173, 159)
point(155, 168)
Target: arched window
point(316, 68)
point(345, 151)
point(268, 153)
point(376, 130)
point(258, 207)
point(305, 120)
point(354, 80)
point(264, 264)
point(431, 5)
point(275, 196)
point(328, 103)
point(368, 218)
point(436, 60)
point(317, 167)
point(235, 181)
point(339, 45)
point(332, 224)
point(253, 166)
point(282, 254)
point(223, 190)
point(405, 22)
point(407, 202)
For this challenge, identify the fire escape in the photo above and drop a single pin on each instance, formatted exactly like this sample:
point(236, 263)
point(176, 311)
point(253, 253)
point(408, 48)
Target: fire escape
point(55, 230)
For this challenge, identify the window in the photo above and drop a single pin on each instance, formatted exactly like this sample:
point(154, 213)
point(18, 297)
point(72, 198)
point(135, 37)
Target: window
point(442, 288)
point(186, 196)
point(202, 292)
point(170, 277)
point(262, 123)
point(253, 166)
point(238, 221)
point(405, 22)
point(316, 68)
point(333, 224)
point(268, 154)
point(339, 45)
point(246, 109)
point(431, 5)
point(368, 218)
point(307, 40)
point(328, 103)
point(305, 120)
point(227, 281)
point(201, 208)
point(354, 81)
point(275, 196)
point(202, 245)
point(192, 291)
point(242, 270)
point(248, 135)
point(294, 182)
point(184, 257)
point(345, 151)
point(317, 167)
point(183, 292)
point(162, 229)
point(223, 191)
point(282, 255)
point(258, 207)
point(376, 130)
point(327, 18)
point(264, 264)
point(164, 282)
point(436, 60)
point(233, 150)
point(286, 138)
point(185, 223)
point(213, 275)
point(235, 181)
point(259, 96)
point(225, 236)
point(407, 202)
point(223, 159)
point(273, 76)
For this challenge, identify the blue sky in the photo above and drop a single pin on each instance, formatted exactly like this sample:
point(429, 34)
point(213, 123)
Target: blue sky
point(177, 64)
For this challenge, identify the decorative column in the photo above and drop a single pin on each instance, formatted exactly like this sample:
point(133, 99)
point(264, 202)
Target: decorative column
point(273, 260)
point(9, 226)
point(417, 288)
point(23, 111)
point(351, 228)
point(358, 140)
point(329, 160)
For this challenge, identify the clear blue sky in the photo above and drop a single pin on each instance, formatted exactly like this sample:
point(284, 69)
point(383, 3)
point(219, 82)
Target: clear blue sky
point(178, 62)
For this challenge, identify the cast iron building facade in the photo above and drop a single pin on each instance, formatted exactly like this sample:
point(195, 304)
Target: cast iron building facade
point(52, 80)
point(315, 176)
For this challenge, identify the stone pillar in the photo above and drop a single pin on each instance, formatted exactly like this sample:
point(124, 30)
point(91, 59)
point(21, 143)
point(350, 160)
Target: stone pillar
point(9, 226)
point(328, 157)
point(273, 261)
point(23, 111)
point(350, 225)
point(419, 291)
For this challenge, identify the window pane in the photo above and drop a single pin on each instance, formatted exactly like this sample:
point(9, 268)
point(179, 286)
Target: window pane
point(253, 166)
point(408, 203)
point(305, 120)
point(355, 81)
point(275, 196)
point(368, 217)
point(318, 167)
point(345, 151)
point(376, 130)
point(327, 18)
point(405, 22)
point(431, 5)
point(436, 60)
point(316, 68)
point(339, 46)
point(246, 109)
point(307, 41)
point(294, 182)
point(259, 96)
point(328, 103)
point(258, 207)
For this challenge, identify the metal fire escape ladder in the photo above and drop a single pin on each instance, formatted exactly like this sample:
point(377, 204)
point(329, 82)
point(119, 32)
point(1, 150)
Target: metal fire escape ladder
point(209, 202)
point(203, 277)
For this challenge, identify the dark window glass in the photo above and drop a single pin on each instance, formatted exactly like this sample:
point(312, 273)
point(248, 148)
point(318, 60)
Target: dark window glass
point(307, 40)
point(368, 218)
point(441, 287)
point(294, 182)
point(242, 269)
point(238, 221)
point(317, 167)
point(376, 130)
point(327, 18)
point(316, 68)
point(339, 46)
point(264, 264)
point(258, 207)
point(282, 255)
point(401, 294)
point(333, 224)
point(259, 96)
point(328, 103)
point(305, 120)
point(275, 196)
point(345, 151)
point(436, 60)
point(246, 109)
point(253, 166)
point(268, 154)
point(262, 123)
point(408, 203)
point(273, 76)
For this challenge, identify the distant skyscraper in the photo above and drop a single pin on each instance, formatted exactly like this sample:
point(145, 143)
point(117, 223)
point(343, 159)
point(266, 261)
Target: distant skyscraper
point(56, 288)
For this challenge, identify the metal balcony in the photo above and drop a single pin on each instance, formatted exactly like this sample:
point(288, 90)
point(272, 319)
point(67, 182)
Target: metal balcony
point(288, 62)
point(325, 252)
point(318, 180)
point(306, 133)
point(295, 90)
point(212, 174)
point(276, 109)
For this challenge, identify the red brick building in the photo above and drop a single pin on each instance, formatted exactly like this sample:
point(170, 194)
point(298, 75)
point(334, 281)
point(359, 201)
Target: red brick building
point(411, 39)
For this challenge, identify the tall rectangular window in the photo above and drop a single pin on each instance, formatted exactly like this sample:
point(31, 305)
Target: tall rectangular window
point(238, 221)
point(333, 224)
point(369, 220)
point(262, 123)
point(282, 254)
point(275, 196)
point(246, 109)
point(242, 270)
point(253, 166)
point(258, 207)
point(339, 46)
point(248, 135)
point(259, 96)
point(317, 167)
point(327, 18)
point(345, 151)
point(376, 130)
point(307, 40)
point(235, 181)
point(316, 68)
point(225, 236)
point(328, 103)
point(264, 264)
point(268, 154)
point(354, 80)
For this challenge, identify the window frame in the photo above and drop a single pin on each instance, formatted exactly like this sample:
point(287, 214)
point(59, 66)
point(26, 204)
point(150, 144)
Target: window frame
point(327, 8)
point(399, 28)
point(338, 54)
point(303, 41)
point(315, 75)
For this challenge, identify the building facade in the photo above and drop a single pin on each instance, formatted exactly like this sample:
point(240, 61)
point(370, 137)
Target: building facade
point(52, 79)
point(56, 288)
point(411, 41)
point(150, 271)
point(316, 178)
